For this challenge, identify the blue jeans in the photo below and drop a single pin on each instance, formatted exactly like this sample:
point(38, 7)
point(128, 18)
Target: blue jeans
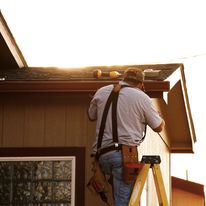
point(111, 164)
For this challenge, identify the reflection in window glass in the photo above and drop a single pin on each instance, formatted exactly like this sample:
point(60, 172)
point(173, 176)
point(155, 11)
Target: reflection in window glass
point(32, 182)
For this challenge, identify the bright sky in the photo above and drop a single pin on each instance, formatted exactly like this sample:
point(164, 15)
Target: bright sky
point(73, 33)
point(93, 32)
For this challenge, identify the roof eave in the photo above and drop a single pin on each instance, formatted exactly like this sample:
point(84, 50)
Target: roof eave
point(11, 43)
point(180, 122)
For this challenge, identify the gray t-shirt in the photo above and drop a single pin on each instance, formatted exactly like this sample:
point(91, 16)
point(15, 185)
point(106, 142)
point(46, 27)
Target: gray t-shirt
point(134, 111)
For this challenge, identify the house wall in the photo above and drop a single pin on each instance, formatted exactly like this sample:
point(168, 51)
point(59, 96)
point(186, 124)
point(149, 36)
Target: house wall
point(153, 145)
point(60, 119)
point(184, 198)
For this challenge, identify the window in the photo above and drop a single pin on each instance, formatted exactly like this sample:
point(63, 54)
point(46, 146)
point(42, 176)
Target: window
point(41, 180)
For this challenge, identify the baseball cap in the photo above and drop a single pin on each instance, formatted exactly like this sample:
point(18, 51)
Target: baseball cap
point(135, 75)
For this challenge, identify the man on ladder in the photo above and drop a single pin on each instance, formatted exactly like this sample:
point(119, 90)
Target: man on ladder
point(122, 113)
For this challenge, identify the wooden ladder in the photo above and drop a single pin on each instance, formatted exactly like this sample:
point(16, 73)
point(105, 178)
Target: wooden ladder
point(149, 162)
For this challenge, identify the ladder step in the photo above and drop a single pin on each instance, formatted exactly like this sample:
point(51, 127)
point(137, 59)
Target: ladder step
point(151, 159)
point(134, 165)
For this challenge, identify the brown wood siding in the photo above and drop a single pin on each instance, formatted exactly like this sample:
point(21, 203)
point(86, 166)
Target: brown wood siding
point(34, 124)
point(184, 198)
point(1, 122)
point(60, 119)
point(47, 120)
point(13, 124)
point(44, 119)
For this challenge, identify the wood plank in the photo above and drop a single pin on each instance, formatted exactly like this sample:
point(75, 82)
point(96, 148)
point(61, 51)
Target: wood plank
point(1, 122)
point(151, 87)
point(179, 128)
point(55, 123)
point(34, 124)
point(185, 198)
point(179, 88)
point(162, 107)
point(77, 121)
point(11, 43)
point(13, 126)
point(188, 186)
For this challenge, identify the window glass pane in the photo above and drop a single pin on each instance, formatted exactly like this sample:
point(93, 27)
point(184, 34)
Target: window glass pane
point(34, 183)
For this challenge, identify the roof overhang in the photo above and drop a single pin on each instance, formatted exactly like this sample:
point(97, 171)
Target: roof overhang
point(179, 119)
point(30, 79)
point(10, 54)
point(153, 89)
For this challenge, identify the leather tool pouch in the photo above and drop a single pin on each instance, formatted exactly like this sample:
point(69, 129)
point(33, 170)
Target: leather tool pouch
point(130, 158)
point(97, 182)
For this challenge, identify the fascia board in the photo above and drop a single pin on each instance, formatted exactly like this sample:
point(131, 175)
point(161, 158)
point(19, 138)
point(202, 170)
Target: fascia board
point(11, 43)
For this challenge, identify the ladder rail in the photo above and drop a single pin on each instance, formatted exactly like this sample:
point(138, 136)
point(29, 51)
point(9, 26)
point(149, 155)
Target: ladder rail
point(139, 185)
point(152, 162)
point(159, 184)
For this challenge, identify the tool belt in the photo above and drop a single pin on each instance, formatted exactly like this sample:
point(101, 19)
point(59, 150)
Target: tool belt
point(129, 160)
point(105, 150)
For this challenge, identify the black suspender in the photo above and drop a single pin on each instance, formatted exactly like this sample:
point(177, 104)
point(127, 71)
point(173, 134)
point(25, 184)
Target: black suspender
point(114, 117)
point(104, 117)
point(112, 99)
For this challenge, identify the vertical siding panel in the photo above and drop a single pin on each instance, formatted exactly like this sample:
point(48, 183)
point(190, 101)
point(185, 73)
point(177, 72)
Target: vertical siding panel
point(74, 124)
point(13, 130)
point(55, 124)
point(34, 125)
point(77, 122)
point(84, 124)
point(1, 123)
point(69, 108)
point(162, 107)
point(153, 145)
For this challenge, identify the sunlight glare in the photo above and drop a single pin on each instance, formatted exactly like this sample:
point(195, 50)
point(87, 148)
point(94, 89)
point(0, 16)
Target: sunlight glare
point(87, 33)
